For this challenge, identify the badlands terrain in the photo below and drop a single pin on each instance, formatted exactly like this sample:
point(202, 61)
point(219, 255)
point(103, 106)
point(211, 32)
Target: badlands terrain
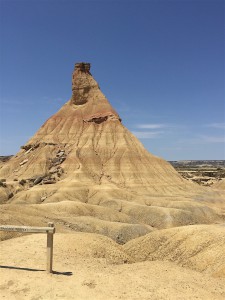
point(128, 225)
point(203, 172)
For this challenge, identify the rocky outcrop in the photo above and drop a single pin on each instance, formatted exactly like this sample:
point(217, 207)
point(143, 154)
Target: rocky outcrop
point(99, 118)
point(82, 83)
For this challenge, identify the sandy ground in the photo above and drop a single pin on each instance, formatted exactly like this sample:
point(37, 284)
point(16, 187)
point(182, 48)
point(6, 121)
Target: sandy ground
point(90, 266)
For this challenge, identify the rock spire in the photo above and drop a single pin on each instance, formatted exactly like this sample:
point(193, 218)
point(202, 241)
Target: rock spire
point(82, 83)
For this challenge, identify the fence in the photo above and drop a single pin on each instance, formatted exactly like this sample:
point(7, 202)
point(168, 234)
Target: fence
point(50, 230)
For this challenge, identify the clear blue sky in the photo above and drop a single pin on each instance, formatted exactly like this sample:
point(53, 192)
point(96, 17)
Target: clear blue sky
point(161, 64)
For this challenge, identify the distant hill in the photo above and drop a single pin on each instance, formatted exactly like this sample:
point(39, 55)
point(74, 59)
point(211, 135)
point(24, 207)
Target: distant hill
point(197, 163)
point(5, 158)
point(203, 172)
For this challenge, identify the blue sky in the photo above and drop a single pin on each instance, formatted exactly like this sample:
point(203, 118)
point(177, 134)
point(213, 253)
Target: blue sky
point(161, 64)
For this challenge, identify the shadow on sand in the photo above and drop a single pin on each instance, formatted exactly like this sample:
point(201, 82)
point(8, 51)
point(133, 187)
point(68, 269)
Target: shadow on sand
point(36, 270)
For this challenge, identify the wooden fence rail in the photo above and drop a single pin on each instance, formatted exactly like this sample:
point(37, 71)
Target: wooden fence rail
point(50, 230)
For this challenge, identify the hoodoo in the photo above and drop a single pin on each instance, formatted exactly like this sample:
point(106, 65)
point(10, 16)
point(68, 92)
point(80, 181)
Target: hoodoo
point(84, 154)
point(82, 83)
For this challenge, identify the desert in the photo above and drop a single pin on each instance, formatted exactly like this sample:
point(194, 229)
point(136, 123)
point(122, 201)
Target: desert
point(128, 225)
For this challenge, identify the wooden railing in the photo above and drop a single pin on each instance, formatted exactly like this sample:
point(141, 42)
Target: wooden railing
point(50, 230)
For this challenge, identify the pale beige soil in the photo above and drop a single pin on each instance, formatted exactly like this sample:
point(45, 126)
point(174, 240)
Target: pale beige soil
point(198, 247)
point(220, 184)
point(89, 266)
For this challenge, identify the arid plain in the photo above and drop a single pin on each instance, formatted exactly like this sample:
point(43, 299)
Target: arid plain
point(128, 226)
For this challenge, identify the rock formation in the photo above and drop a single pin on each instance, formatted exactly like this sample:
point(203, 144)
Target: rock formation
point(113, 205)
point(84, 154)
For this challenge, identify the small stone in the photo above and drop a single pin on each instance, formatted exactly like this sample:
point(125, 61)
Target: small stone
point(38, 180)
point(26, 147)
point(53, 170)
point(28, 151)
point(61, 153)
point(22, 181)
point(24, 162)
point(50, 181)
point(10, 195)
point(2, 184)
point(56, 160)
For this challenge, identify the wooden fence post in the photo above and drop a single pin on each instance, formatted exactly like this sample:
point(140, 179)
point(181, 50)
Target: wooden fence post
point(50, 230)
point(49, 249)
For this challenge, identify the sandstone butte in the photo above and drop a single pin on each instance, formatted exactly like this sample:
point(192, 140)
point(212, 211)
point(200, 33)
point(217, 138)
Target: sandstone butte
point(87, 172)
point(127, 225)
